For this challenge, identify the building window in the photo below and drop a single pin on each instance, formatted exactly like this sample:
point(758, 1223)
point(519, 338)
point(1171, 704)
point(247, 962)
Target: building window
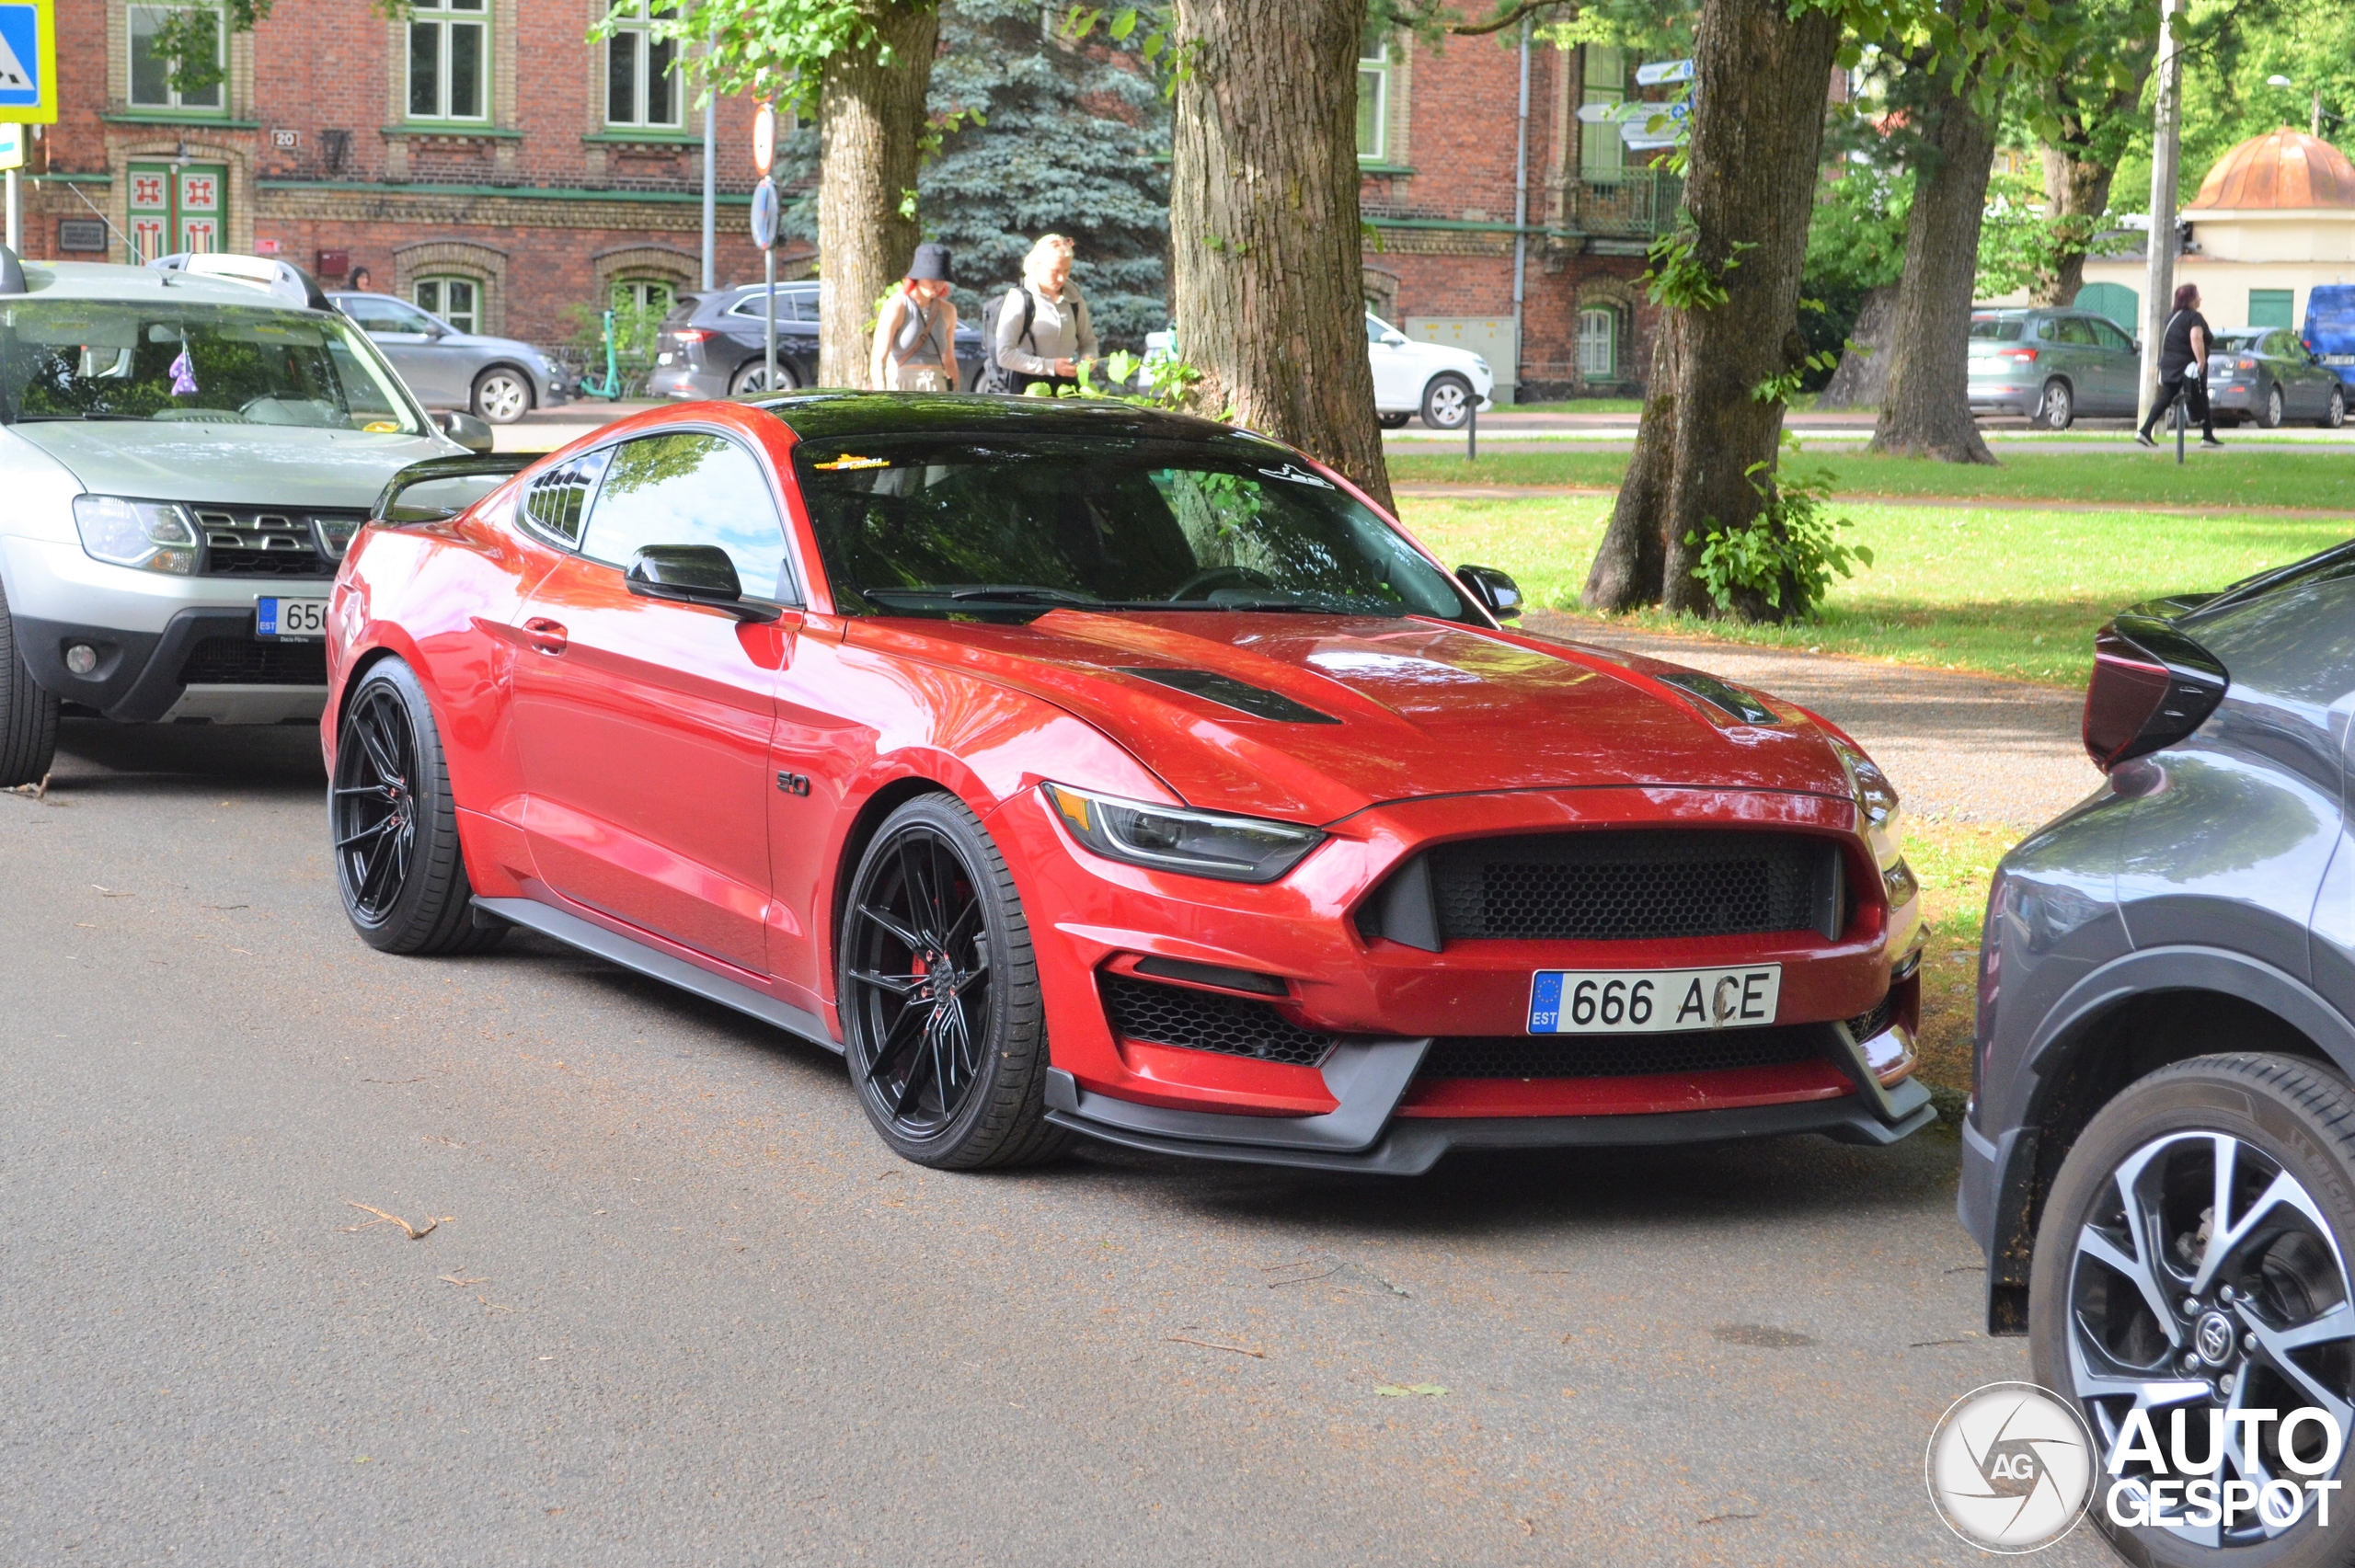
point(449, 63)
point(457, 301)
point(150, 68)
point(642, 72)
point(2272, 307)
point(649, 297)
point(1598, 345)
point(1374, 94)
point(1603, 156)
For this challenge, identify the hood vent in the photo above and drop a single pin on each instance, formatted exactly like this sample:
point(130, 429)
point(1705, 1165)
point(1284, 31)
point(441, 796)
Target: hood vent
point(1717, 695)
point(1229, 692)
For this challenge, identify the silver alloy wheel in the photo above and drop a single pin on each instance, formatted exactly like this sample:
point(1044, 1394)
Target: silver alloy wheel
point(2168, 1309)
point(2336, 418)
point(502, 398)
point(2273, 407)
point(1447, 403)
point(2059, 410)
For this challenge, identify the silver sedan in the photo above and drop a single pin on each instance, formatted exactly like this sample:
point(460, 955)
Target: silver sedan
point(500, 379)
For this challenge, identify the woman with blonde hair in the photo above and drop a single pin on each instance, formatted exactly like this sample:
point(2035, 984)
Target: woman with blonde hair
point(915, 332)
point(1044, 333)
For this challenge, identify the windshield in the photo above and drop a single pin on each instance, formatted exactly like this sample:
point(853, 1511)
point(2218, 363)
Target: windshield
point(161, 360)
point(1016, 527)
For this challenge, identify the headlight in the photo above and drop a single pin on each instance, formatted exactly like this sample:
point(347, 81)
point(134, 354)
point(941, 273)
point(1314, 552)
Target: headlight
point(1481, 360)
point(157, 536)
point(1875, 798)
point(1170, 838)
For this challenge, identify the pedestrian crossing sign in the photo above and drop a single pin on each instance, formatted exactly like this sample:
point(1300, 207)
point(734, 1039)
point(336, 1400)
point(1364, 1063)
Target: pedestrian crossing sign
point(28, 61)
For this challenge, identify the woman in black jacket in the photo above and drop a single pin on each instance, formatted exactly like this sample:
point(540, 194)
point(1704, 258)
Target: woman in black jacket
point(2183, 369)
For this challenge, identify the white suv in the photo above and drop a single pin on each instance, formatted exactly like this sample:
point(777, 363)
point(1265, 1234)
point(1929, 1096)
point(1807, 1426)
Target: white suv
point(184, 458)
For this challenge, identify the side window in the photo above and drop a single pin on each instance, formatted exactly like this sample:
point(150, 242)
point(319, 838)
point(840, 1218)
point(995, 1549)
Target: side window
point(560, 497)
point(691, 488)
point(2111, 336)
point(2074, 330)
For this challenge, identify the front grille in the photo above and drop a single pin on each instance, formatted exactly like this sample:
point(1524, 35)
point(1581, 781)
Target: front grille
point(1620, 1056)
point(274, 544)
point(1637, 885)
point(1205, 1020)
point(242, 661)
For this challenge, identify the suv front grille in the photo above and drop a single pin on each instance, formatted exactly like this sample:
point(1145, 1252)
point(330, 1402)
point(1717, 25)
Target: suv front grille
point(1620, 1056)
point(1205, 1020)
point(1636, 885)
point(239, 543)
point(243, 662)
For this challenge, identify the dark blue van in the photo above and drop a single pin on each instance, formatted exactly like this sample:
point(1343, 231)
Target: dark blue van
point(2330, 327)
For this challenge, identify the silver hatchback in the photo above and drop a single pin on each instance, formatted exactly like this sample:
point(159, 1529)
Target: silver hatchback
point(2051, 365)
point(500, 379)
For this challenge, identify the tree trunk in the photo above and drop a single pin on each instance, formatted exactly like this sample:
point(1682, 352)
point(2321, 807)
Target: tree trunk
point(1757, 140)
point(870, 125)
point(2075, 188)
point(1862, 372)
point(1926, 408)
point(1265, 246)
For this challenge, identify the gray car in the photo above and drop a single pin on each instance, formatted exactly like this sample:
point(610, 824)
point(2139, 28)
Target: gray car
point(2050, 365)
point(500, 379)
point(2265, 375)
point(2159, 1152)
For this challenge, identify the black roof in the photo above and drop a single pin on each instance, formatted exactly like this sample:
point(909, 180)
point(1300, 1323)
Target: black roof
point(827, 416)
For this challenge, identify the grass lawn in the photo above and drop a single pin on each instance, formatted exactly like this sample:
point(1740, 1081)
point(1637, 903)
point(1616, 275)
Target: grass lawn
point(1954, 862)
point(2006, 592)
point(2272, 476)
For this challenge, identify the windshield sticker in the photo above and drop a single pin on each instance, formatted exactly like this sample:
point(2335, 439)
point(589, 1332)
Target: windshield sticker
point(1293, 474)
point(381, 427)
point(183, 373)
point(846, 461)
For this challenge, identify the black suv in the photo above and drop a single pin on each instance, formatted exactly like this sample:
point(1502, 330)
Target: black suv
point(714, 345)
point(2159, 1155)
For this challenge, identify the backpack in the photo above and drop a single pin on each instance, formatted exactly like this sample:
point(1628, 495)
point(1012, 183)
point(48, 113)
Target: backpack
point(995, 377)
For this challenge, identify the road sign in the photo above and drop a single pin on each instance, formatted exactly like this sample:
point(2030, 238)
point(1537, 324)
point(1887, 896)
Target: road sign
point(28, 61)
point(765, 213)
point(1659, 70)
point(12, 146)
point(764, 139)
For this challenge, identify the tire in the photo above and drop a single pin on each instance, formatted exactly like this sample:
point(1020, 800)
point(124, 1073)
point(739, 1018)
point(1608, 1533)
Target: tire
point(751, 379)
point(27, 714)
point(2287, 1121)
point(393, 827)
point(1447, 402)
point(503, 395)
point(2271, 419)
point(2335, 416)
point(1393, 421)
point(2057, 408)
point(933, 865)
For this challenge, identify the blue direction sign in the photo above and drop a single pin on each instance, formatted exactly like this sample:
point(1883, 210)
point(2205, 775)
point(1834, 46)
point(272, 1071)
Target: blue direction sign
point(28, 61)
point(765, 213)
point(1659, 70)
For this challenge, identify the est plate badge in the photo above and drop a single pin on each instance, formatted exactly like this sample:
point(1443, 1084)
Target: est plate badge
point(290, 620)
point(1652, 1001)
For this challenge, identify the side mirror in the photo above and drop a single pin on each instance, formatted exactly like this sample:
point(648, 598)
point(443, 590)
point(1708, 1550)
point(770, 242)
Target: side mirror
point(694, 573)
point(1395, 339)
point(1495, 592)
point(463, 428)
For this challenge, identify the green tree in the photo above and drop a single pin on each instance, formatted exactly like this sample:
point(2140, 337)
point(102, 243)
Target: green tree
point(1051, 136)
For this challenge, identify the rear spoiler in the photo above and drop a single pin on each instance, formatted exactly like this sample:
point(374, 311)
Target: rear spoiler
point(496, 466)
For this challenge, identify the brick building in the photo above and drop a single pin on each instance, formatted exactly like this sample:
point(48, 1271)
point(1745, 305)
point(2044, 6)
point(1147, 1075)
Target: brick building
point(481, 157)
point(1437, 138)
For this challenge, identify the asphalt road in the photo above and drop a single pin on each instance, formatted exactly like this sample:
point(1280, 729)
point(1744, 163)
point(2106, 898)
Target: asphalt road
point(678, 1305)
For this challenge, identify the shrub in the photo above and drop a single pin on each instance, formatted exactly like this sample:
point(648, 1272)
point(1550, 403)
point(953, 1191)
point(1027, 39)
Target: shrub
point(1792, 546)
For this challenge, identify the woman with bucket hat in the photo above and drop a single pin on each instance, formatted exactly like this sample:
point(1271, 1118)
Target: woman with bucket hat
point(916, 333)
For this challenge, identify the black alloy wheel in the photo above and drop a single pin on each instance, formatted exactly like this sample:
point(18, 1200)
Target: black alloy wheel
point(393, 828)
point(942, 1022)
point(753, 380)
point(2192, 1258)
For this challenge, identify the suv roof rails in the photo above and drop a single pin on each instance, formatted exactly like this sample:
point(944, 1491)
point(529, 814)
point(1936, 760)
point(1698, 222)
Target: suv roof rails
point(12, 272)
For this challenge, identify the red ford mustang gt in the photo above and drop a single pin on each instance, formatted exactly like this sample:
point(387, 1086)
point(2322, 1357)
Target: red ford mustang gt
point(1076, 769)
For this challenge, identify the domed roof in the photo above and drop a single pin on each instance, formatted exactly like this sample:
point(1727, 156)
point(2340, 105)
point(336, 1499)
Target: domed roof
point(2285, 169)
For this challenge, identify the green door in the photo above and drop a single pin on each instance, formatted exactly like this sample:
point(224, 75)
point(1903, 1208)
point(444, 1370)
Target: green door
point(176, 207)
point(2115, 301)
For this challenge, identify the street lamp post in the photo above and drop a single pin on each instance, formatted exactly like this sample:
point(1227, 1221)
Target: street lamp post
point(2314, 108)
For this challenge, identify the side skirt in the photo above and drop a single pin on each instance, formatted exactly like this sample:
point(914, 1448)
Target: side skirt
point(614, 947)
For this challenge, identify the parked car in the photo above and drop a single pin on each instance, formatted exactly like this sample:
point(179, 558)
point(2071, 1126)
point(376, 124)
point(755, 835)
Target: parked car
point(2051, 365)
point(2159, 1150)
point(714, 345)
point(500, 379)
point(2330, 327)
point(185, 458)
point(2265, 375)
point(1443, 384)
point(1076, 769)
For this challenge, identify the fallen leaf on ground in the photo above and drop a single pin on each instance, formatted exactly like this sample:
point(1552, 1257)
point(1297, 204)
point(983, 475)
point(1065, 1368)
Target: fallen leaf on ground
point(1429, 1390)
point(34, 792)
point(454, 1279)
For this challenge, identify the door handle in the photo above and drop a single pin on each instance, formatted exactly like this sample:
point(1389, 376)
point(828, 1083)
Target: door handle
point(547, 637)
